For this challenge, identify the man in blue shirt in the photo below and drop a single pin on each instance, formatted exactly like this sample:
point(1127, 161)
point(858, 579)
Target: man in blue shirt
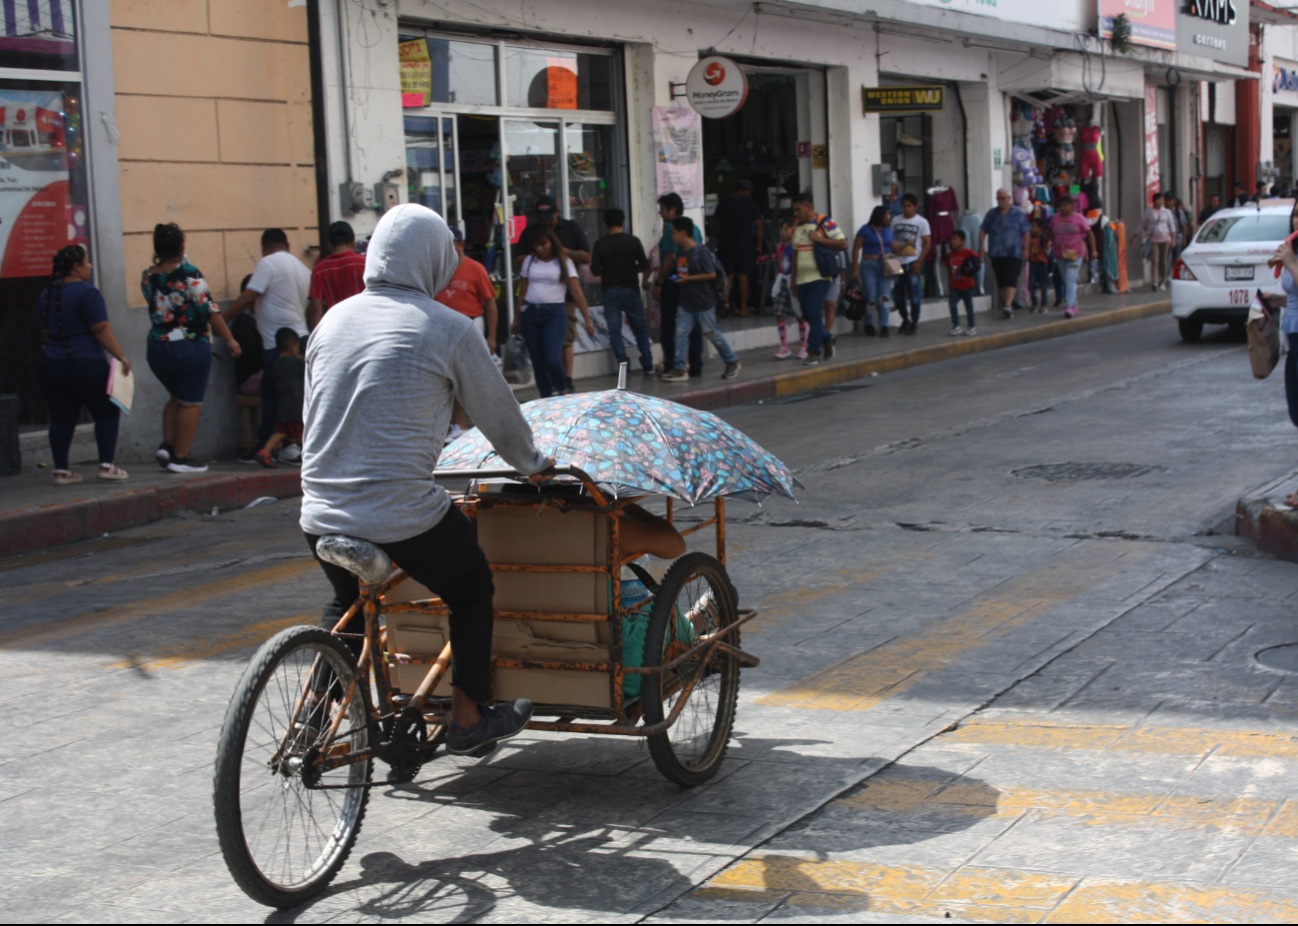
point(1004, 239)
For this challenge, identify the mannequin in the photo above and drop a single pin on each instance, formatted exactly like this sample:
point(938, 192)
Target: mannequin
point(1065, 133)
point(1091, 164)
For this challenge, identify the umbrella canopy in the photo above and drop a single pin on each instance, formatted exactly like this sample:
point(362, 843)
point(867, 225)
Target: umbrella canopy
point(626, 440)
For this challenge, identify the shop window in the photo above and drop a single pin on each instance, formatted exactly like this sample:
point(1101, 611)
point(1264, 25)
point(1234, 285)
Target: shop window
point(43, 207)
point(39, 35)
point(446, 71)
point(551, 79)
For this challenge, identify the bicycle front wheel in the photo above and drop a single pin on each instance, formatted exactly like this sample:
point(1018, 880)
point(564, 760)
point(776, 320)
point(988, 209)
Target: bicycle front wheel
point(285, 827)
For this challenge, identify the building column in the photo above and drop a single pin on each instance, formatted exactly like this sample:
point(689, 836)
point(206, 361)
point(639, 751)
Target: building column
point(1248, 119)
point(987, 131)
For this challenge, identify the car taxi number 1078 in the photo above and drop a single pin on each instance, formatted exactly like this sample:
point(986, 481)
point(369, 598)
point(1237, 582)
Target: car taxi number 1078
point(1240, 297)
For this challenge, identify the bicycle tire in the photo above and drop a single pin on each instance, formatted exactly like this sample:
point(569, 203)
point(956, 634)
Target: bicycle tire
point(288, 649)
point(710, 708)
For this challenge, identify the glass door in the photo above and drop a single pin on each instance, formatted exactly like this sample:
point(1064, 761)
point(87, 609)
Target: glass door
point(433, 166)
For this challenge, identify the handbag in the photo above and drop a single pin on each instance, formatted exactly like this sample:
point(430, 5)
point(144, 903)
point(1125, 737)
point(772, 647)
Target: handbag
point(891, 262)
point(853, 302)
point(1263, 338)
point(829, 262)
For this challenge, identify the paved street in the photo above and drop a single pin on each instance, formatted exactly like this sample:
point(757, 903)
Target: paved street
point(1006, 641)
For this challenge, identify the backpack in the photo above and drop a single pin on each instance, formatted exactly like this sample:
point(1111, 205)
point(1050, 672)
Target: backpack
point(699, 263)
point(970, 266)
point(829, 262)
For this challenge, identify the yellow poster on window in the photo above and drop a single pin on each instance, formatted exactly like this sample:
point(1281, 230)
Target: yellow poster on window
point(416, 73)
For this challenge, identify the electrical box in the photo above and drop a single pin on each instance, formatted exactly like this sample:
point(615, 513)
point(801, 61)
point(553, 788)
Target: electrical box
point(884, 177)
point(386, 196)
point(352, 198)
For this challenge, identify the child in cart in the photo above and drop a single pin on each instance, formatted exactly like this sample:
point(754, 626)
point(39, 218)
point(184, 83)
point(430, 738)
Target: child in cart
point(782, 295)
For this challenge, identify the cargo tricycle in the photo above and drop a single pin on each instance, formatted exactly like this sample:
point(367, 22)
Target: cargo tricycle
point(598, 644)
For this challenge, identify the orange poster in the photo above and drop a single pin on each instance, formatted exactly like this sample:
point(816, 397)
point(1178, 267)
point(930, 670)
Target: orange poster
point(561, 84)
point(416, 73)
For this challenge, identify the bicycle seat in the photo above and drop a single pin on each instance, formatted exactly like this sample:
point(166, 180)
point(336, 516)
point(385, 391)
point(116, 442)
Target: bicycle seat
point(359, 557)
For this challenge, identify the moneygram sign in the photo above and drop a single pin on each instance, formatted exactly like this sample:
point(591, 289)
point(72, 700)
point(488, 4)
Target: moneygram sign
point(717, 87)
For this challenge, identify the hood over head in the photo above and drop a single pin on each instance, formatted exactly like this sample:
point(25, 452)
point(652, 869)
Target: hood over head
point(411, 248)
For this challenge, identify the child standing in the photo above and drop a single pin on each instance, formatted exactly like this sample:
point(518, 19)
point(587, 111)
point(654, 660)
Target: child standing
point(290, 377)
point(963, 265)
point(1038, 267)
point(696, 273)
point(782, 297)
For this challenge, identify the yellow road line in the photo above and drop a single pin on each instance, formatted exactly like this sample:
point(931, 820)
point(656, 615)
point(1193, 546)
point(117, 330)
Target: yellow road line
point(860, 682)
point(897, 801)
point(1122, 738)
point(991, 894)
point(64, 628)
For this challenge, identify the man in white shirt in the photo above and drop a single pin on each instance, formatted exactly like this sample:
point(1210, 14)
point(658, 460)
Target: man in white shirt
point(912, 240)
point(280, 285)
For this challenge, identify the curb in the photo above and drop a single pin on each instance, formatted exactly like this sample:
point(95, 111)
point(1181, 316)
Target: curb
point(831, 374)
point(1264, 519)
point(52, 525)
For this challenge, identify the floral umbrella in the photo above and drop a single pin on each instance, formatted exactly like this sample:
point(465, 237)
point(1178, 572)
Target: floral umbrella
point(626, 440)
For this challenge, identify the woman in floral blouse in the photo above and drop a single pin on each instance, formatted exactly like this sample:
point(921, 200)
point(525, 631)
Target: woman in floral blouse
point(180, 343)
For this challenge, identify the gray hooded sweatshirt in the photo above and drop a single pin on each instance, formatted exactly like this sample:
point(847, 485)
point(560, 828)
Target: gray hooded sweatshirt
point(382, 370)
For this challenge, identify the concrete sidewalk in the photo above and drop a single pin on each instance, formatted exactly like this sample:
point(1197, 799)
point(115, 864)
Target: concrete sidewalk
point(856, 356)
point(35, 514)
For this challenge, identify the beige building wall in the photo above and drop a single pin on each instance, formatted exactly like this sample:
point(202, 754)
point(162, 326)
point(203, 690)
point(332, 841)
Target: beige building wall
point(214, 109)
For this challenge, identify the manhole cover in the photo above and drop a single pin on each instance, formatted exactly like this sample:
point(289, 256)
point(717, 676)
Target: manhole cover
point(1077, 472)
point(1284, 657)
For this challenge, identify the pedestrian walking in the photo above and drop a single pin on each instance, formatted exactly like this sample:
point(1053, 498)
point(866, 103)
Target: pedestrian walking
point(740, 240)
point(73, 371)
point(912, 242)
point(1289, 323)
point(549, 276)
point(545, 217)
point(279, 286)
point(471, 293)
point(1160, 230)
point(1208, 211)
point(1241, 197)
point(1038, 268)
point(783, 298)
point(338, 275)
point(618, 259)
point(290, 375)
point(873, 243)
point(667, 292)
point(962, 264)
point(1184, 229)
point(698, 271)
point(814, 229)
point(183, 315)
point(1003, 240)
point(1070, 238)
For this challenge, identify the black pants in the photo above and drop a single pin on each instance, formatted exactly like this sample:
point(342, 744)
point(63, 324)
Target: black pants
point(667, 307)
point(68, 385)
point(448, 561)
point(1291, 378)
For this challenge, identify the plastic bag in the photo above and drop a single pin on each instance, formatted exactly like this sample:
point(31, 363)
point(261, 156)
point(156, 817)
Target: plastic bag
point(1263, 338)
point(516, 364)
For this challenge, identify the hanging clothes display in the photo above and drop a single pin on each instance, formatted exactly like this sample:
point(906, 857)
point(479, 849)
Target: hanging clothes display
point(943, 206)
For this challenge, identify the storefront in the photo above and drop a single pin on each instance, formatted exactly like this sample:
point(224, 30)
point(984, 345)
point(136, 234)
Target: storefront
point(1283, 92)
point(44, 191)
point(493, 124)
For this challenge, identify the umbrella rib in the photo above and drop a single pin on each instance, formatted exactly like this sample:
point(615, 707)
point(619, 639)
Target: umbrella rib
point(666, 443)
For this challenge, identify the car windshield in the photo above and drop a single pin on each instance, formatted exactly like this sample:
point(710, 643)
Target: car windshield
point(1237, 229)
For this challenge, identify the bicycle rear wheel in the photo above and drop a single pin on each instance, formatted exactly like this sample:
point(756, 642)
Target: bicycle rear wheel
point(695, 600)
point(283, 840)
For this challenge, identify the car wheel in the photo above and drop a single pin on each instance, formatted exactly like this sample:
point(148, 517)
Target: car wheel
point(1191, 329)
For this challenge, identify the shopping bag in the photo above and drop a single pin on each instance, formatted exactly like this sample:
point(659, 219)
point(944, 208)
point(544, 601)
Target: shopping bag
point(516, 364)
point(121, 386)
point(853, 302)
point(1263, 337)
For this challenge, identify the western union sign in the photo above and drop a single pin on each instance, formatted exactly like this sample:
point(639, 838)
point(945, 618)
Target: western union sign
point(903, 99)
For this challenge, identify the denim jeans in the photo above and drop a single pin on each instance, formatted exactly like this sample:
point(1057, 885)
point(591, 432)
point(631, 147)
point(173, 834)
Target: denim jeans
point(706, 323)
point(1069, 269)
point(1291, 377)
point(1057, 277)
point(544, 328)
point(811, 296)
point(622, 301)
point(909, 286)
point(1039, 281)
point(954, 297)
point(875, 286)
point(667, 306)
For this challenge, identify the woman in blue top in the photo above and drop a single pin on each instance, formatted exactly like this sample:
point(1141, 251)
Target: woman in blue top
point(873, 241)
point(73, 372)
point(1289, 323)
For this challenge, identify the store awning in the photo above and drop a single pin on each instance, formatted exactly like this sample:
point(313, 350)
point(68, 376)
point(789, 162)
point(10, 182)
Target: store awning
point(36, 25)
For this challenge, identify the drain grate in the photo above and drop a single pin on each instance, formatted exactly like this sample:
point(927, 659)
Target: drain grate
point(1283, 658)
point(1079, 472)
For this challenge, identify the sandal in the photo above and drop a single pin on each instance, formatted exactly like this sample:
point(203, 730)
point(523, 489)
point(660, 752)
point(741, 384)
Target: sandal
point(111, 471)
point(65, 477)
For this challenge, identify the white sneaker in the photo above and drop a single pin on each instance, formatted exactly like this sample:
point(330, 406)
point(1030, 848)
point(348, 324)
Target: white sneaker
point(1007, 312)
point(955, 330)
point(971, 331)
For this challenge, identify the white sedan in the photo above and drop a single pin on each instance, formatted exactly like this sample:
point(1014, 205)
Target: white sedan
point(1214, 279)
